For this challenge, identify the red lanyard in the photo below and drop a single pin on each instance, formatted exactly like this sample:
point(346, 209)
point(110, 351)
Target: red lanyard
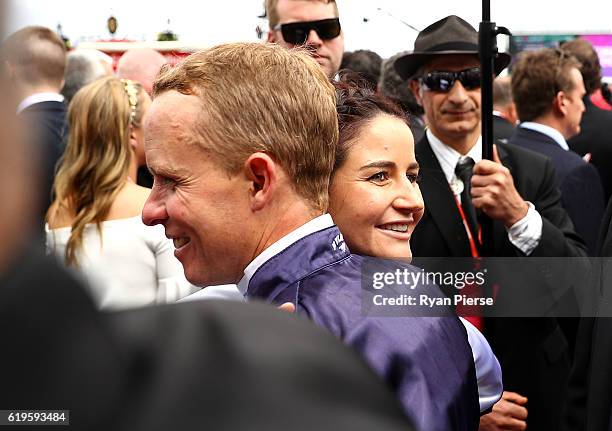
point(473, 247)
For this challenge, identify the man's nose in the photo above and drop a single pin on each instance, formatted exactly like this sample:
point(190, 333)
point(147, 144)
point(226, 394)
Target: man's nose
point(314, 39)
point(154, 210)
point(458, 94)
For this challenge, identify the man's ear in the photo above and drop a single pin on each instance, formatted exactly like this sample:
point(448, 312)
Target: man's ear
point(416, 90)
point(262, 172)
point(560, 103)
point(10, 71)
point(512, 114)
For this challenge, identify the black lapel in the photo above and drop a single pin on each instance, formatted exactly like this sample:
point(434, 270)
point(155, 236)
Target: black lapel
point(439, 201)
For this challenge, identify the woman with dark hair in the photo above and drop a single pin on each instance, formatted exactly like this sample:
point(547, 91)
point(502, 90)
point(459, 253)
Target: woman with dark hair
point(375, 200)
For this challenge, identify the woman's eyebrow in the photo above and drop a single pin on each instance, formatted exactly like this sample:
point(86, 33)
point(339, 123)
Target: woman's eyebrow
point(378, 164)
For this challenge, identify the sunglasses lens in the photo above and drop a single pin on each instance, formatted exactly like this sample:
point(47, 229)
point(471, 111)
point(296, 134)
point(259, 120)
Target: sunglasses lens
point(470, 79)
point(328, 28)
point(439, 81)
point(296, 33)
point(444, 81)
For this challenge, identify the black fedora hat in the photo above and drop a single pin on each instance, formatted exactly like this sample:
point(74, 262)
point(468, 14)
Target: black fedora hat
point(450, 35)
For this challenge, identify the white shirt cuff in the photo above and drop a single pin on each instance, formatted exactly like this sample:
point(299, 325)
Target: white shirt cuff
point(526, 233)
point(488, 370)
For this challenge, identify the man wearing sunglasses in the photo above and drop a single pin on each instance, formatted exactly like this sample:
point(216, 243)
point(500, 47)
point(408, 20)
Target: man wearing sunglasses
point(311, 23)
point(516, 190)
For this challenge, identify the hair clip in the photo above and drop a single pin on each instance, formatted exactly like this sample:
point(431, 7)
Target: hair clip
point(132, 93)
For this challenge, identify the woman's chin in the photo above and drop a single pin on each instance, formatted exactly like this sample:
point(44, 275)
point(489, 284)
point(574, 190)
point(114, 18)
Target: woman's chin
point(401, 253)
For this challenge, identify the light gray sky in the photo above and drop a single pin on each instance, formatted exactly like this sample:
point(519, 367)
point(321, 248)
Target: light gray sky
point(212, 22)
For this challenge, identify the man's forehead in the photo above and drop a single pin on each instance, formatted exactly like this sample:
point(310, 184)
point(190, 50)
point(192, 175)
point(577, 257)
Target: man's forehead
point(172, 109)
point(304, 10)
point(452, 62)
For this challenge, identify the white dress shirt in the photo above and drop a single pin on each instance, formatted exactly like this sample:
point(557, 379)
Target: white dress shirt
point(551, 132)
point(39, 98)
point(526, 233)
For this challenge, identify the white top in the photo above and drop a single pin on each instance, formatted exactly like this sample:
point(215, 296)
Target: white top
point(526, 233)
point(551, 132)
point(39, 98)
point(132, 265)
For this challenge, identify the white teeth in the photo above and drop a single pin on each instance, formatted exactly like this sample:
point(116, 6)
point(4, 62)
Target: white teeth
point(396, 227)
point(179, 242)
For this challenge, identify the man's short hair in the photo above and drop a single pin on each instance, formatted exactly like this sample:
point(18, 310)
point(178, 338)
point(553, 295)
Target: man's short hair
point(502, 91)
point(365, 62)
point(39, 53)
point(82, 67)
point(263, 98)
point(537, 77)
point(589, 60)
point(394, 87)
point(272, 13)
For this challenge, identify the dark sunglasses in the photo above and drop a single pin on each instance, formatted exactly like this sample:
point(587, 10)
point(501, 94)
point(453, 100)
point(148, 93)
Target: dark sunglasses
point(444, 81)
point(296, 33)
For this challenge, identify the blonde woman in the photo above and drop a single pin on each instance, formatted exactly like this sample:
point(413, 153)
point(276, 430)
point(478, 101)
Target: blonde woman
point(94, 224)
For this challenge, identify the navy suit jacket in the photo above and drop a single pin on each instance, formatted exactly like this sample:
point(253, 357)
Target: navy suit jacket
point(502, 129)
point(427, 360)
point(579, 182)
point(47, 123)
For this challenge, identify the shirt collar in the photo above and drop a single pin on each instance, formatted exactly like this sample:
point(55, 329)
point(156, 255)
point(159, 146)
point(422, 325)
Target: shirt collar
point(448, 157)
point(552, 133)
point(319, 223)
point(38, 98)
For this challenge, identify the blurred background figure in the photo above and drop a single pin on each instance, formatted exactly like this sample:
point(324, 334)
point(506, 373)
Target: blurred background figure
point(394, 87)
point(315, 24)
point(35, 61)
point(602, 98)
point(141, 65)
point(95, 222)
point(594, 137)
point(504, 109)
point(364, 62)
point(82, 67)
point(549, 92)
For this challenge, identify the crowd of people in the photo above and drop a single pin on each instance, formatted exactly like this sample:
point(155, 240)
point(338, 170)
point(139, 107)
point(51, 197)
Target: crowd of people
point(282, 173)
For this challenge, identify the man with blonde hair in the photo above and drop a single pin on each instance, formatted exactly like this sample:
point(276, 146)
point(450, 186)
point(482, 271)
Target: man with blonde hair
point(314, 24)
point(241, 141)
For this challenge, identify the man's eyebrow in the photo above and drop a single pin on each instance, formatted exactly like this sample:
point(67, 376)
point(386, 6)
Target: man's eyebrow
point(378, 164)
point(414, 165)
point(163, 171)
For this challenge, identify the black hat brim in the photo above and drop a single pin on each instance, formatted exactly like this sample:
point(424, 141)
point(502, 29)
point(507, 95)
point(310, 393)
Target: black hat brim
point(408, 65)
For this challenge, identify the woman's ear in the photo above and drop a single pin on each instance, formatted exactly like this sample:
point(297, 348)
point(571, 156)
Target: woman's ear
point(133, 139)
